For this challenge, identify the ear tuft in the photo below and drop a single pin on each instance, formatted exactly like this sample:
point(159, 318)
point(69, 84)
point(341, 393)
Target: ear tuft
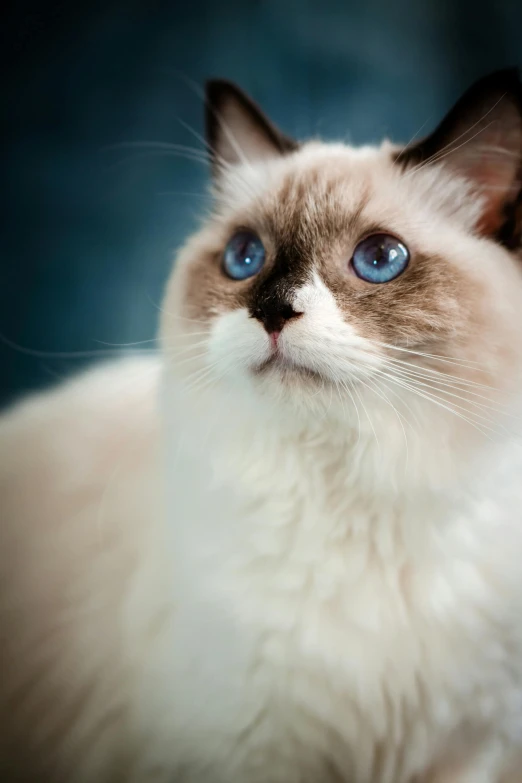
point(237, 131)
point(481, 140)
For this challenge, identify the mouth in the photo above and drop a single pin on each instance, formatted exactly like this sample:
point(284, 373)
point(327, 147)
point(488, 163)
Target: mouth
point(287, 369)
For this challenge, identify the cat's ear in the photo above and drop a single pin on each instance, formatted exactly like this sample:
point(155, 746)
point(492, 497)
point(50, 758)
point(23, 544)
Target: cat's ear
point(237, 130)
point(481, 139)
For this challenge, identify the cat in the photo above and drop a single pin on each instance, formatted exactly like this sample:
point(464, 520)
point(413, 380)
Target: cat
point(288, 549)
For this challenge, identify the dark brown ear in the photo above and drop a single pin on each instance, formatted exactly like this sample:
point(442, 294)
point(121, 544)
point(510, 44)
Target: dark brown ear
point(481, 139)
point(237, 130)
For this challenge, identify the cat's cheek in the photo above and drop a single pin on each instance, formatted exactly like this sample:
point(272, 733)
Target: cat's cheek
point(237, 343)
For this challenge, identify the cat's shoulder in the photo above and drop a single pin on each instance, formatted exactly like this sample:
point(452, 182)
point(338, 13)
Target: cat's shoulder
point(78, 506)
point(86, 419)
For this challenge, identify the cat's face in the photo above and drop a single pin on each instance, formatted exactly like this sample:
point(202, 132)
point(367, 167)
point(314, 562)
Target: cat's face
point(329, 276)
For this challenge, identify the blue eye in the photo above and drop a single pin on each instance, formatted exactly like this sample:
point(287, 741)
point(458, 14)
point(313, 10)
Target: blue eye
point(380, 258)
point(244, 255)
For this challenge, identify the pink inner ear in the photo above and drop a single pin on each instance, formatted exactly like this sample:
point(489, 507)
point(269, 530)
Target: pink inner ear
point(497, 182)
point(481, 139)
point(491, 160)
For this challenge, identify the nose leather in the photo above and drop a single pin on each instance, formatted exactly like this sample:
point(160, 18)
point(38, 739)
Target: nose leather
point(274, 315)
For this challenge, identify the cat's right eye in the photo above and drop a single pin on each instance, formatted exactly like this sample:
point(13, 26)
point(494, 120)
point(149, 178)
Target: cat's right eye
point(380, 258)
point(244, 255)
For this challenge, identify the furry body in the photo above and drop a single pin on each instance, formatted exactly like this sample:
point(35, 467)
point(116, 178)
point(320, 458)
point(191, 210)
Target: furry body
point(230, 565)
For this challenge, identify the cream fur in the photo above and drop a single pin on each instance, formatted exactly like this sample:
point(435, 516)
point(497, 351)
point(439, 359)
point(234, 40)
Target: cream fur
point(211, 576)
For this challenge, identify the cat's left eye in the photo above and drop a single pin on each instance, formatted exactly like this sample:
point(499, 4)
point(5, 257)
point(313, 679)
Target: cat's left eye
point(380, 258)
point(244, 255)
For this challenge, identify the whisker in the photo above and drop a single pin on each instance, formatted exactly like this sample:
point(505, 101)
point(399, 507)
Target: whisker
point(188, 359)
point(199, 374)
point(157, 146)
point(184, 193)
point(432, 398)
point(415, 135)
point(368, 417)
point(200, 346)
point(439, 378)
point(40, 354)
point(420, 384)
point(207, 148)
point(186, 339)
point(437, 401)
point(449, 148)
point(161, 309)
point(423, 384)
point(218, 159)
point(442, 379)
point(126, 345)
point(451, 359)
point(444, 154)
point(396, 394)
point(382, 395)
point(341, 400)
point(356, 411)
point(330, 403)
point(151, 153)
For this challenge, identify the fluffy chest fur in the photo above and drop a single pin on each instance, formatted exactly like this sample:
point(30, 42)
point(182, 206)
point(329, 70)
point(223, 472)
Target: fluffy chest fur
point(356, 633)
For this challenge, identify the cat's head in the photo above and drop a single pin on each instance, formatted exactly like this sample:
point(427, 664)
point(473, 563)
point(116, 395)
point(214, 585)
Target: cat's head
point(352, 280)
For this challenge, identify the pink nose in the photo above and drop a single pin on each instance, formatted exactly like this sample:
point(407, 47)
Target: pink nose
point(274, 337)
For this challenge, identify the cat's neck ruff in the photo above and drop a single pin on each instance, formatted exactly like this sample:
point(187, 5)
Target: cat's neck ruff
point(361, 471)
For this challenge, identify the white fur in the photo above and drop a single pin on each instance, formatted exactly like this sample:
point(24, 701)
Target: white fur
point(282, 583)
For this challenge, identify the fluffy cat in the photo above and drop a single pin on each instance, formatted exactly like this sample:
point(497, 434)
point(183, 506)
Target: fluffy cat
point(290, 549)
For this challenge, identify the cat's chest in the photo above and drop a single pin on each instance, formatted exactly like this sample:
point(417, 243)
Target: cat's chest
point(329, 645)
point(292, 551)
point(311, 584)
point(311, 613)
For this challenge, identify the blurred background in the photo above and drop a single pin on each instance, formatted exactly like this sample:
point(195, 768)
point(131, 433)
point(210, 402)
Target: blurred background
point(95, 200)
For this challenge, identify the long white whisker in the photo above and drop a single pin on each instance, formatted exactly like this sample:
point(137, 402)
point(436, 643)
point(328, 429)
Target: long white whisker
point(396, 394)
point(198, 376)
point(439, 357)
point(151, 153)
point(432, 373)
point(196, 355)
point(39, 354)
point(381, 394)
point(188, 359)
point(356, 411)
point(159, 146)
point(198, 321)
point(126, 345)
point(341, 400)
point(429, 382)
point(368, 417)
point(202, 140)
point(188, 336)
point(449, 148)
point(415, 135)
point(437, 401)
point(420, 384)
point(201, 94)
point(221, 162)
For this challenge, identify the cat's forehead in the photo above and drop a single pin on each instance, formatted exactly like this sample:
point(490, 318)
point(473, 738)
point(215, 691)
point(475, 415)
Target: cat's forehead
point(328, 191)
point(319, 194)
point(315, 179)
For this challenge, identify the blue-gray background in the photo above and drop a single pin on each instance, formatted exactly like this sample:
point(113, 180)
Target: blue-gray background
point(89, 225)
